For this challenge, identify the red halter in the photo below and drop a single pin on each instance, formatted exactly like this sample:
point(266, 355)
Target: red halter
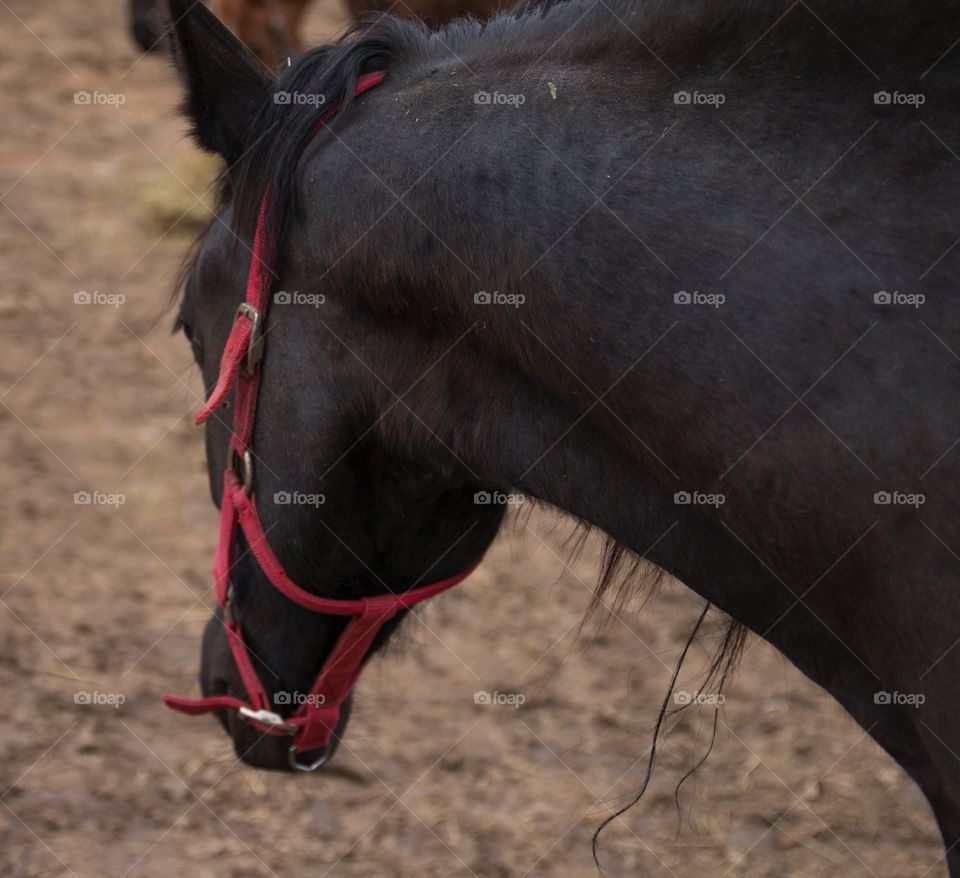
point(314, 721)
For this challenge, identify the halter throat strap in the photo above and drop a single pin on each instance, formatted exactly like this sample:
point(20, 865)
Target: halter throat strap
point(313, 722)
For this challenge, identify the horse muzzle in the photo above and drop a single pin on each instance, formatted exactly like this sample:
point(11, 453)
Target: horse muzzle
point(277, 752)
point(261, 738)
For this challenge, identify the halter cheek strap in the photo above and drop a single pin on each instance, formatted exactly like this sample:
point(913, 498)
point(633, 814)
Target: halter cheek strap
point(314, 721)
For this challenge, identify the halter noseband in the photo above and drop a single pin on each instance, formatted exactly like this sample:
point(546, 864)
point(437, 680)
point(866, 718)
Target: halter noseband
point(315, 720)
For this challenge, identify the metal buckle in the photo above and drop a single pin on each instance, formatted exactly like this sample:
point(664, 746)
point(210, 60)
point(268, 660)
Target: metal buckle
point(322, 759)
point(247, 467)
point(255, 347)
point(266, 718)
point(228, 615)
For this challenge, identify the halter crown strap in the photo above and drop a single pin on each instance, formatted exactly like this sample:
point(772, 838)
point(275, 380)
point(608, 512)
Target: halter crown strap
point(240, 345)
point(315, 719)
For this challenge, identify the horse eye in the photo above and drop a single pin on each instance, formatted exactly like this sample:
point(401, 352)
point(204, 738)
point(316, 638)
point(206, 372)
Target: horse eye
point(196, 345)
point(181, 325)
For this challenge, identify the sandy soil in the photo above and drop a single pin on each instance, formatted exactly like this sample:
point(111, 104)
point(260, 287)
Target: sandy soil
point(111, 599)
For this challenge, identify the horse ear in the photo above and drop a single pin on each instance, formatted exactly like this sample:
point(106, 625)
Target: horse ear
point(226, 85)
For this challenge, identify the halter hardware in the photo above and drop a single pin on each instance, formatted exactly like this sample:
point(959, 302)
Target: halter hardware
point(313, 723)
point(266, 718)
point(255, 345)
point(296, 765)
point(247, 456)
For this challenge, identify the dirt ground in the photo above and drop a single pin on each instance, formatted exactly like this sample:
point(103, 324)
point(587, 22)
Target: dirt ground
point(109, 598)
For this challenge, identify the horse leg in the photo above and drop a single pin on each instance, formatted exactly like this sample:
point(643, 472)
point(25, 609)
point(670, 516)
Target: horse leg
point(937, 725)
point(916, 651)
point(894, 667)
point(882, 635)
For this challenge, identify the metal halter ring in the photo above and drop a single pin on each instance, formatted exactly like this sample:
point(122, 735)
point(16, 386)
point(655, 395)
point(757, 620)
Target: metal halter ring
point(322, 759)
point(247, 467)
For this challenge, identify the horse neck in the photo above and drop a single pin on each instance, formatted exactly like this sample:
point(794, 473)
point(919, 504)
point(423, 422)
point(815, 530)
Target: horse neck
point(524, 422)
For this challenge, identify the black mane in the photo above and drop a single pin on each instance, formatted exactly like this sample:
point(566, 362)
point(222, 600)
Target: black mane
point(282, 133)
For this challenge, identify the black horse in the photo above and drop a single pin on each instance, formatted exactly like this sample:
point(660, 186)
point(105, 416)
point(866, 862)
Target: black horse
point(682, 269)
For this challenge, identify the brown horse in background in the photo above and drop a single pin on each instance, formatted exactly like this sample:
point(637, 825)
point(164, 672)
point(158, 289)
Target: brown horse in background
point(272, 28)
point(432, 12)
